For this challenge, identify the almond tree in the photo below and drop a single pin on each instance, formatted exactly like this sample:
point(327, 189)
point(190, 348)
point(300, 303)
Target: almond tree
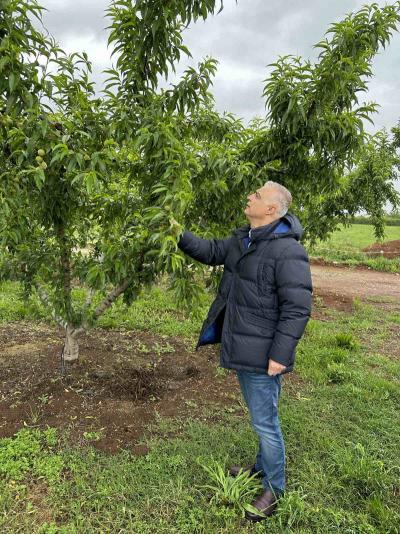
point(82, 204)
point(91, 186)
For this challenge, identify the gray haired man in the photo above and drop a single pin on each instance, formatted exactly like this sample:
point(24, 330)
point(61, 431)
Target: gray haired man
point(260, 313)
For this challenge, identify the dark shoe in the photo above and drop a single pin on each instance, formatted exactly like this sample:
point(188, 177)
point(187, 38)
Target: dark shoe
point(251, 469)
point(266, 503)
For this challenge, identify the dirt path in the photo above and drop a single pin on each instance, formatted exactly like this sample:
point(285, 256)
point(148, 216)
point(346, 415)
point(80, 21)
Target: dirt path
point(350, 282)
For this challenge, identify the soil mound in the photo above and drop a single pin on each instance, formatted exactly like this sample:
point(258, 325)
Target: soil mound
point(390, 249)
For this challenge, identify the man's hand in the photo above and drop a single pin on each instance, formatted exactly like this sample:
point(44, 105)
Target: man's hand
point(275, 368)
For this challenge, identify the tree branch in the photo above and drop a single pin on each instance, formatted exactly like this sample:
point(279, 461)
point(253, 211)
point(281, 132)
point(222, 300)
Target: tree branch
point(46, 301)
point(103, 306)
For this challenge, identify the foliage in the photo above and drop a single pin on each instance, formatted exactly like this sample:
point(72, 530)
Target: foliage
point(345, 340)
point(30, 450)
point(390, 220)
point(314, 141)
point(91, 186)
point(227, 489)
point(338, 373)
point(89, 182)
point(370, 185)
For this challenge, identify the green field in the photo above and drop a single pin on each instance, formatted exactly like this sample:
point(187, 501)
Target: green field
point(340, 418)
point(345, 246)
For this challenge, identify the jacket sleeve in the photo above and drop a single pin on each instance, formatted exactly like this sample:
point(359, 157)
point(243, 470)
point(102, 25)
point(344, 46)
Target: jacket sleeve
point(294, 289)
point(208, 251)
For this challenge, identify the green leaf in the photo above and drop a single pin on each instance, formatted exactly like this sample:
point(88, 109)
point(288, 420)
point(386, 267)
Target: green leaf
point(39, 177)
point(12, 81)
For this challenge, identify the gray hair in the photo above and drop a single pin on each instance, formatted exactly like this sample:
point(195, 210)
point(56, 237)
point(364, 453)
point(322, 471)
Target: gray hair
point(283, 196)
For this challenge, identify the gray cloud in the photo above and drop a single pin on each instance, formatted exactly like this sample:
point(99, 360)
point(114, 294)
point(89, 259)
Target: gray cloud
point(247, 37)
point(73, 18)
point(244, 38)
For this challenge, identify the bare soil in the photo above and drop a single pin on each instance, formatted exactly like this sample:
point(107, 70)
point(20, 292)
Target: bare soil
point(116, 387)
point(124, 380)
point(390, 249)
point(340, 285)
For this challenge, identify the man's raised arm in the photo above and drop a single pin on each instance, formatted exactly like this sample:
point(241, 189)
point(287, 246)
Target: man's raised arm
point(208, 251)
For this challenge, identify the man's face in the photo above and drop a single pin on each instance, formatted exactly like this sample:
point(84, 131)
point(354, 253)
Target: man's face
point(262, 203)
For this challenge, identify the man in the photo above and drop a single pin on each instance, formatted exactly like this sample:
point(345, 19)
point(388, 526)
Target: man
point(260, 313)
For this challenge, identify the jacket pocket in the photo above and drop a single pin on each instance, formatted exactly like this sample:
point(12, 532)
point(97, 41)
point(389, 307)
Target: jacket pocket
point(264, 325)
point(266, 278)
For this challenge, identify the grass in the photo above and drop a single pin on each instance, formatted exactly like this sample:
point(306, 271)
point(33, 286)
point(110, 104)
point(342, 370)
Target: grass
point(341, 422)
point(346, 244)
point(154, 310)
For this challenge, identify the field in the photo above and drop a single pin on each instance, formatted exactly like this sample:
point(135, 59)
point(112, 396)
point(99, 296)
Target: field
point(347, 243)
point(132, 439)
point(100, 173)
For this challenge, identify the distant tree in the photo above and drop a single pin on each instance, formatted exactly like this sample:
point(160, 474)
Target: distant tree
point(369, 186)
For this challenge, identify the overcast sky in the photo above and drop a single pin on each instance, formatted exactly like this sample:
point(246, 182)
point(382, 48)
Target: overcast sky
point(244, 38)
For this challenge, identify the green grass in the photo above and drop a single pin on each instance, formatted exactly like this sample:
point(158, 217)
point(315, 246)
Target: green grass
point(358, 236)
point(155, 310)
point(346, 244)
point(342, 431)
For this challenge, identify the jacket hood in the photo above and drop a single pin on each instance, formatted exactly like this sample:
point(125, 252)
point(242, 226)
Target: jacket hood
point(288, 225)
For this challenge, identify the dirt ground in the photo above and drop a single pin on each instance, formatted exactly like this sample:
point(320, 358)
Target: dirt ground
point(124, 380)
point(390, 249)
point(350, 282)
point(121, 382)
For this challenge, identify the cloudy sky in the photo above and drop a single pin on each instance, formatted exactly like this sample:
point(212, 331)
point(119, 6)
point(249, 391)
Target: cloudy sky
point(244, 38)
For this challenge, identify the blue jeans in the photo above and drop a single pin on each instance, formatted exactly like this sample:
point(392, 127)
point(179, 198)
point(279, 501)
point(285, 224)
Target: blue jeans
point(261, 393)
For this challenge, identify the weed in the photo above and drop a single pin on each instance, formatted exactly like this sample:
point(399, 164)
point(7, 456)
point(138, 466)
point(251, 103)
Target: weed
point(339, 355)
point(292, 510)
point(29, 450)
point(227, 489)
point(191, 403)
point(141, 347)
point(164, 348)
point(44, 399)
point(93, 435)
point(366, 474)
point(338, 373)
point(35, 415)
point(395, 318)
point(346, 341)
point(220, 372)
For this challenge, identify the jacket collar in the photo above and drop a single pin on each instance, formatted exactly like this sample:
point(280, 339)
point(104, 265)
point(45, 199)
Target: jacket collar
point(260, 233)
point(288, 225)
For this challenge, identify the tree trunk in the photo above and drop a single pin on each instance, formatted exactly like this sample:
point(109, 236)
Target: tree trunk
point(71, 347)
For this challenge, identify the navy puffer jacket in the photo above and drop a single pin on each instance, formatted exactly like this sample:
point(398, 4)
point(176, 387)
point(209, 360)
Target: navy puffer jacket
point(264, 298)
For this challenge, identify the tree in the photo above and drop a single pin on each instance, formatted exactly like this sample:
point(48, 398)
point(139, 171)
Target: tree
point(368, 186)
point(91, 186)
point(314, 136)
point(80, 186)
